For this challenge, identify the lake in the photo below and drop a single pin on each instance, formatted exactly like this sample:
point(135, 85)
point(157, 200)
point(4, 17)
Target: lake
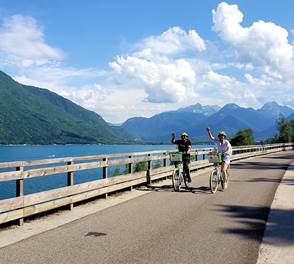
point(38, 184)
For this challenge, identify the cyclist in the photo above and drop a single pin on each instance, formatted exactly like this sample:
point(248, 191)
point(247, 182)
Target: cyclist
point(184, 145)
point(224, 147)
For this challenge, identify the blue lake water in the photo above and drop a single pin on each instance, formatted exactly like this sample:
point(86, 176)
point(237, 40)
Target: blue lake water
point(38, 184)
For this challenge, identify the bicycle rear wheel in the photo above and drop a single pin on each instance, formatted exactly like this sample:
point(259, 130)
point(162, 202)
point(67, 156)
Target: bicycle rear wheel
point(213, 183)
point(176, 179)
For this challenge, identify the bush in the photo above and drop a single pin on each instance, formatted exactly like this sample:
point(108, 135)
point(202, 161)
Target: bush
point(116, 171)
point(140, 166)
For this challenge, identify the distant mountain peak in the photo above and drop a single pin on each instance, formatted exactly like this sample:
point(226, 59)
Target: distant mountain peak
point(197, 108)
point(231, 107)
point(276, 109)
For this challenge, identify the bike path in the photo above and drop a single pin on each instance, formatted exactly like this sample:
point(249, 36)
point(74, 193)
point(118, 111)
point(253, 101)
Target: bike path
point(278, 242)
point(168, 227)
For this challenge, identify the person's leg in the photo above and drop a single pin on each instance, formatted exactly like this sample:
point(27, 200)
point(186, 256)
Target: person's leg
point(224, 168)
point(187, 169)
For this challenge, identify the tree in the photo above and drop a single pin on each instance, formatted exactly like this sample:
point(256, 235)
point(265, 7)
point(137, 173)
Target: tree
point(243, 137)
point(285, 129)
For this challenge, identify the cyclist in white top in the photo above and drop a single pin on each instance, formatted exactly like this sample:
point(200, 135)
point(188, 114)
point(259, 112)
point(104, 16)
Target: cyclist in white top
point(224, 147)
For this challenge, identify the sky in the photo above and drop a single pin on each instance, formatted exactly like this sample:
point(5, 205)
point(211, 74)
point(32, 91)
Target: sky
point(138, 58)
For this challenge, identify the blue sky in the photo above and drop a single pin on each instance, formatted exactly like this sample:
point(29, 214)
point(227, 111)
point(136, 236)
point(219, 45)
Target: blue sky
point(138, 58)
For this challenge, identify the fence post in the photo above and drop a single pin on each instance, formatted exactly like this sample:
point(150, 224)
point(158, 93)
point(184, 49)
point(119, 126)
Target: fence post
point(70, 181)
point(20, 191)
point(130, 170)
point(105, 175)
point(130, 165)
point(164, 160)
point(148, 173)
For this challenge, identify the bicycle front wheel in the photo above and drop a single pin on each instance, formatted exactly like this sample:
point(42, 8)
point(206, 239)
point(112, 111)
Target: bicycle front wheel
point(213, 183)
point(176, 179)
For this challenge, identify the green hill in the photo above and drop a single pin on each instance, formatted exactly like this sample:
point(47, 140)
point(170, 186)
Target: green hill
point(31, 115)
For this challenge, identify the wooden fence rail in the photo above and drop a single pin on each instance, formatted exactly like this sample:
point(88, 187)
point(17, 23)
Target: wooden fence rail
point(24, 205)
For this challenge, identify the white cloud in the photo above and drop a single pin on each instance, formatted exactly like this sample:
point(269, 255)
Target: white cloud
point(174, 40)
point(164, 72)
point(226, 89)
point(264, 44)
point(22, 43)
point(152, 67)
point(163, 80)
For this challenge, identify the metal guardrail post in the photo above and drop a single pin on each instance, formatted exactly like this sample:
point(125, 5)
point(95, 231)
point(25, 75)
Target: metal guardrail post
point(20, 192)
point(164, 160)
point(130, 167)
point(148, 173)
point(105, 175)
point(70, 182)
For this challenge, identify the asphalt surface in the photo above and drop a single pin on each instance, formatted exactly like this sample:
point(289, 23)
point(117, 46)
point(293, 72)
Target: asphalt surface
point(164, 226)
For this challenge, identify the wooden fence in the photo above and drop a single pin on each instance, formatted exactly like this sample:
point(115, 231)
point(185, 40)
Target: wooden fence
point(25, 205)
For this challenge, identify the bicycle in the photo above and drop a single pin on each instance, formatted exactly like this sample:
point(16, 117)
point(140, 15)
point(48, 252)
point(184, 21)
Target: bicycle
point(216, 177)
point(179, 175)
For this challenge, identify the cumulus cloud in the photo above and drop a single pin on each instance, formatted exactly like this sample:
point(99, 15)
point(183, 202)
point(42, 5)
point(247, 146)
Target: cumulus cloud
point(224, 89)
point(22, 43)
point(163, 72)
point(162, 80)
point(172, 41)
point(153, 68)
point(263, 45)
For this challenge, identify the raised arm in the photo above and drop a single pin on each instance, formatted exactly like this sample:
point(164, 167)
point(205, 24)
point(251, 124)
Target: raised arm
point(209, 133)
point(173, 138)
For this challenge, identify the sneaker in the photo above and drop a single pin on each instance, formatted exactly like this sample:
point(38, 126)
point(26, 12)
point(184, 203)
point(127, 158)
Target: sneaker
point(225, 185)
point(189, 180)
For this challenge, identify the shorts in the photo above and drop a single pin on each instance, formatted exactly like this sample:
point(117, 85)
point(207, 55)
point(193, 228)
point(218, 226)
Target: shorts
point(226, 159)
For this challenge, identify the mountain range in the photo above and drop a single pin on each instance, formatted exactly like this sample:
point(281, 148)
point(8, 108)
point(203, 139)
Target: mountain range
point(32, 115)
point(195, 118)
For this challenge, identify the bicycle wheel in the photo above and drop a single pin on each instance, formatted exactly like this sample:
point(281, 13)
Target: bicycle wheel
point(176, 179)
point(213, 183)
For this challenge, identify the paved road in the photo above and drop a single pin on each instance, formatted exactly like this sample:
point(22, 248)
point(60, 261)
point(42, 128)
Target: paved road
point(168, 227)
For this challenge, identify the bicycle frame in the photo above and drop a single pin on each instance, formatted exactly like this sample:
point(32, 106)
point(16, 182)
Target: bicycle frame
point(216, 177)
point(179, 174)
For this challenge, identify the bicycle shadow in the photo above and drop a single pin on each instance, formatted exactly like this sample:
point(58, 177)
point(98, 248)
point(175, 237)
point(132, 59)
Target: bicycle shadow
point(169, 188)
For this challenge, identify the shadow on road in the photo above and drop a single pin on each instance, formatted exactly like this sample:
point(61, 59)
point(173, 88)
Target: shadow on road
point(259, 166)
point(289, 157)
point(280, 227)
point(169, 188)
